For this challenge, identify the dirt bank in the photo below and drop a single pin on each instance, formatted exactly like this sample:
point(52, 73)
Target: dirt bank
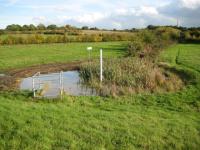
point(12, 77)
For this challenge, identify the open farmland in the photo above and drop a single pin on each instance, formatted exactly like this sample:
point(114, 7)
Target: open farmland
point(17, 56)
point(142, 121)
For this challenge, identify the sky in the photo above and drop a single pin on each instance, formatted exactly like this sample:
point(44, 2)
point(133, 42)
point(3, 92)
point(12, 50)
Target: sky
point(109, 14)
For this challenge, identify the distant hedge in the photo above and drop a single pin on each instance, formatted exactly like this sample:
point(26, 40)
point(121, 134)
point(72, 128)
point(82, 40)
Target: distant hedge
point(59, 38)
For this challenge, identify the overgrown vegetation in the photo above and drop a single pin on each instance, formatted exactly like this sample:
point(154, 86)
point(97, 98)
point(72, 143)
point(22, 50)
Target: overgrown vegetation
point(129, 75)
point(139, 72)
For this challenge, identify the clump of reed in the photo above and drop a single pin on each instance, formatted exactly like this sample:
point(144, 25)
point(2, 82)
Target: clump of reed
point(128, 76)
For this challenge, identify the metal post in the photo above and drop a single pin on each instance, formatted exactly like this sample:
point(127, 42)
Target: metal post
point(39, 80)
point(33, 86)
point(101, 66)
point(60, 81)
point(61, 84)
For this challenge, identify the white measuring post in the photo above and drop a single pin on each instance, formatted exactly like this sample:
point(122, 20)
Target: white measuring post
point(101, 65)
point(33, 86)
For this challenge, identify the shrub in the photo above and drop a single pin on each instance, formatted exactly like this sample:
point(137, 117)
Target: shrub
point(134, 48)
point(148, 37)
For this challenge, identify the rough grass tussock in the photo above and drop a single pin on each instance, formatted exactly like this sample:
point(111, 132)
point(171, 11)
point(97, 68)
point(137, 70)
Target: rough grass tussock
point(128, 76)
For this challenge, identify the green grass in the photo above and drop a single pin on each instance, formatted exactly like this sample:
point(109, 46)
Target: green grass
point(186, 55)
point(154, 121)
point(96, 123)
point(20, 56)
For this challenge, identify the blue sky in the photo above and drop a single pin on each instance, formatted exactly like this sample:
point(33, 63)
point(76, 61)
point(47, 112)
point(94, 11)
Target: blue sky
point(109, 14)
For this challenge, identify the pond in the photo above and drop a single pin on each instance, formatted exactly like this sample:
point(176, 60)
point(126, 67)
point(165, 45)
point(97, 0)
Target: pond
point(71, 85)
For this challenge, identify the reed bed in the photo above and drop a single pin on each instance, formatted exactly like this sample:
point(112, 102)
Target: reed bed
point(128, 76)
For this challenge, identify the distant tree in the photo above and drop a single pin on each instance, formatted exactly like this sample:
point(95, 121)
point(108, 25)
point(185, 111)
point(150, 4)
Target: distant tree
point(151, 27)
point(68, 26)
point(85, 28)
point(32, 27)
point(94, 28)
point(14, 27)
point(133, 29)
point(25, 27)
point(52, 27)
point(41, 27)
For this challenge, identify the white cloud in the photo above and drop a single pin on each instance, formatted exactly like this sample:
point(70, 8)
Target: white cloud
point(89, 18)
point(147, 10)
point(122, 11)
point(39, 19)
point(117, 25)
point(11, 2)
point(192, 4)
point(105, 14)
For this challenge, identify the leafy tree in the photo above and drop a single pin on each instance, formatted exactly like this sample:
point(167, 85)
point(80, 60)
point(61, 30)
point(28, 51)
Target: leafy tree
point(94, 28)
point(14, 27)
point(32, 27)
point(151, 27)
point(25, 28)
point(41, 27)
point(85, 28)
point(52, 27)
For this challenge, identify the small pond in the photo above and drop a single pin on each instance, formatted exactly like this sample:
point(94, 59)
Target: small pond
point(71, 85)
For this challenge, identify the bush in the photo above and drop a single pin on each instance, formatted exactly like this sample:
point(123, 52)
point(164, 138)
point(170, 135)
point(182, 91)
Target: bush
point(89, 38)
point(148, 37)
point(134, 48)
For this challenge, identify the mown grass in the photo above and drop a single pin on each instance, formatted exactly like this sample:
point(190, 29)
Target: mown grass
point(186, 55)
point(20, 56)
point(151, 121)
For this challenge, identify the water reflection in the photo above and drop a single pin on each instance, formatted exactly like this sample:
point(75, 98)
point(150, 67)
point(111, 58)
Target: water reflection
point(71, 85)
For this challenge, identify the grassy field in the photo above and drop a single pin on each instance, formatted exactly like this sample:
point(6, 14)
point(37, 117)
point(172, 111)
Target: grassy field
point(18, 56)
point(186, 55)
point(156, 121)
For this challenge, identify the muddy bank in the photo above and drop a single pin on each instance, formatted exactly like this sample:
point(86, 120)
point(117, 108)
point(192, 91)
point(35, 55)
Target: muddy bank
point(12, 77)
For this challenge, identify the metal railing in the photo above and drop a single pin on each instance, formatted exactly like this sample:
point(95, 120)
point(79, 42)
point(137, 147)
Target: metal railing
point(39, 82)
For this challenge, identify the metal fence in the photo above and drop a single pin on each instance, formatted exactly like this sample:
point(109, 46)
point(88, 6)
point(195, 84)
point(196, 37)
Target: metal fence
point(50, 86)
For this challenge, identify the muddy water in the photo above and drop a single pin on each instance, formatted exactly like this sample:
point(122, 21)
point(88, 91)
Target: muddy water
point(71, 84)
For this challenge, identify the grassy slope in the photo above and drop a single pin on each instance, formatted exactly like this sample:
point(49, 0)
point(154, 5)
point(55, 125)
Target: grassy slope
point(27, 55)
point(186, 55)
point(166, 121)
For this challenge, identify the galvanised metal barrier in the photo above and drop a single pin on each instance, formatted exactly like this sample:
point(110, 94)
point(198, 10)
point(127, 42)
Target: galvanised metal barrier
point(47, 85)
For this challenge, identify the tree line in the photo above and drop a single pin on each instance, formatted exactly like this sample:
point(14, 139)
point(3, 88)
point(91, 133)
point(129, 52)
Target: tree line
point(30, 34)
point(31, 27)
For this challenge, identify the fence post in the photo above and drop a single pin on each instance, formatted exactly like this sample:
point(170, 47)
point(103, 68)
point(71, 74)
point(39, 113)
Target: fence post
point(101, 65)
